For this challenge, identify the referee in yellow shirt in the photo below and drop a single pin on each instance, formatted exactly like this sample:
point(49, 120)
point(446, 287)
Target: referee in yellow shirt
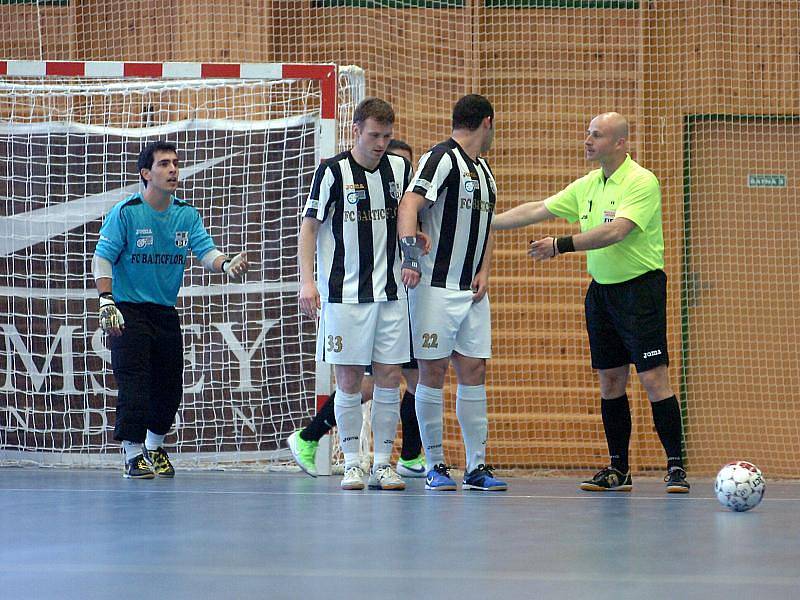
point(619, 210)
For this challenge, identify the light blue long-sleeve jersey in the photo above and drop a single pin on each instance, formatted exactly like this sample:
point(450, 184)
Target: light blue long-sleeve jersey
point(148, 248)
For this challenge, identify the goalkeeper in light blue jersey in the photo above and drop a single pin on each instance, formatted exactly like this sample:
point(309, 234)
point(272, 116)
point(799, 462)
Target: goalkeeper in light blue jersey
point(138, 268)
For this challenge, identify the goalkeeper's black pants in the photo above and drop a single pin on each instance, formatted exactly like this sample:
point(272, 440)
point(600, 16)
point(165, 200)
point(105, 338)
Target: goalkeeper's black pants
point(147, 360)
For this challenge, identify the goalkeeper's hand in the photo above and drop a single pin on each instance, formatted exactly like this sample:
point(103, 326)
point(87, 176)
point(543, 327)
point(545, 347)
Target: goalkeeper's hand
point(236, 267)
point(111, 320)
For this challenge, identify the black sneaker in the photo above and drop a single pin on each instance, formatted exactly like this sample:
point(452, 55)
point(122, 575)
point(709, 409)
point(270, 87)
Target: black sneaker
point(676, 481)
point(160, 461)
point(138, 468)
point(482, 478)
point(609, 479)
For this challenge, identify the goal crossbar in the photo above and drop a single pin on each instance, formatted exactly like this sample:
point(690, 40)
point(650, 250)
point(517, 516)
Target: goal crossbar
point(325, 74)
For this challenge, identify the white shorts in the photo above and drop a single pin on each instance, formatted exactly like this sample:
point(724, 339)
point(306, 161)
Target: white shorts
point(357, 334)
point(444, 320)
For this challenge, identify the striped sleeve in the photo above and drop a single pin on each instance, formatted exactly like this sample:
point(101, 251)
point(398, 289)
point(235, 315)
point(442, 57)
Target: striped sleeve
point(432, 173)
point(320, 194)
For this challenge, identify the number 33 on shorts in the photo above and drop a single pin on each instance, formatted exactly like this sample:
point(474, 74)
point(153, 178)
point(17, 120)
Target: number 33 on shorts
point(334, 343)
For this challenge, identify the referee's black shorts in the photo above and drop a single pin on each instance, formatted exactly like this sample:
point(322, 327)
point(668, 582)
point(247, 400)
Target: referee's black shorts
point(627, 322)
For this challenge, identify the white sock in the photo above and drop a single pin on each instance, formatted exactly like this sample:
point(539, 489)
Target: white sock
point(471, 413)
point(131, 449)
point(385, 417)
point(428, 407)
point(153, 441)
point(347, 408)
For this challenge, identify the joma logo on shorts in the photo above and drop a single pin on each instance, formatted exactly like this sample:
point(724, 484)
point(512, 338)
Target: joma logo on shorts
point(652, 353)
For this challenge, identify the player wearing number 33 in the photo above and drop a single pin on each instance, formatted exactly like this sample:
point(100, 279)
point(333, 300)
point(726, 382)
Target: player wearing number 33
point(619, 210)
point(138, 269)
point(350, 221)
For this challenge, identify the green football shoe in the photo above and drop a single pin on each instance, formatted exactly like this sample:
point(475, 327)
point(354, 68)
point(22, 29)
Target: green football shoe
point(412, 468)
point(304, 453)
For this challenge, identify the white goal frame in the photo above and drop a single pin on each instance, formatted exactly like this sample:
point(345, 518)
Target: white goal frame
point(327, 76)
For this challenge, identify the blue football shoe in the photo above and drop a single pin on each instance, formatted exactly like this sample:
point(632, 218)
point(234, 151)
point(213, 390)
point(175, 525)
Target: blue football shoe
point(438, 479)
point(483, 479)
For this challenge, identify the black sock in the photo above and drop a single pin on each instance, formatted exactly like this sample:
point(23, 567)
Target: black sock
point(412, 444)
point(617, 424)
point(322, 423)
point(667, 418)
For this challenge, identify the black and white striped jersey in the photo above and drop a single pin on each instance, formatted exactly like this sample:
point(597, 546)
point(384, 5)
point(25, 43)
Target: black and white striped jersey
point(358, 255)
point(461, 196)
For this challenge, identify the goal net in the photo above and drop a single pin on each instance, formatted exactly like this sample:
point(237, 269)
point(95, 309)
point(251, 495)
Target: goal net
point(249, 146)
point(711, 92)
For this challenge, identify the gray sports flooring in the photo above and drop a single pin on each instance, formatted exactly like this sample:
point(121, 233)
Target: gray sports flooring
point(91, 534)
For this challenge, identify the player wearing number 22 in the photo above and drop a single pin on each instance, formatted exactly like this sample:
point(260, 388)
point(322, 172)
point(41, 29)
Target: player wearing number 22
point(350, 221)
point(138, 268)
point(618, 207)
point(452, 197)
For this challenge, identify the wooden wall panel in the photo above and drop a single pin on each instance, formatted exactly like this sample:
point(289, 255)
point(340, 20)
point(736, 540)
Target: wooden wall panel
point(744, 316)
point(548, 72)
point(36, 33)
point(191, 30)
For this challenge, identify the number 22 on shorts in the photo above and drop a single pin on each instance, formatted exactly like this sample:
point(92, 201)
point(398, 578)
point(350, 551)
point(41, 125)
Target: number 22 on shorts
point(430, 340)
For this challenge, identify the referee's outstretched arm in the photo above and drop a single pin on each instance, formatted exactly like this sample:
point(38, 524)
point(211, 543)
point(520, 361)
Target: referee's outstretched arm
point(522, 215)
point(598, 237)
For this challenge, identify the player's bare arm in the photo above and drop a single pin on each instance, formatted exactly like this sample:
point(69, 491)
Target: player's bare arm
point(480, 283)
point(599, 237)
point(407, 213)
point(309, 295)
point(522, 215)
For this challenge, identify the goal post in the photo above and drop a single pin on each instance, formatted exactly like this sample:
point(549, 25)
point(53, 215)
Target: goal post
point(250, 137)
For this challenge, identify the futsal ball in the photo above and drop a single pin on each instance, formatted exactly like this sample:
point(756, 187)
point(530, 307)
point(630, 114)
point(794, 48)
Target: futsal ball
point(739, 486)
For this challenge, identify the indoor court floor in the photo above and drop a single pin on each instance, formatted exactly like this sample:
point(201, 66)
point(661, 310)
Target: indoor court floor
point(89, 534)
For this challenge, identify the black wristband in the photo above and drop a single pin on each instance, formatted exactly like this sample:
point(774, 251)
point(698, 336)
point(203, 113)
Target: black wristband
point(227, 261)
point(565, 244)
point(107, 295)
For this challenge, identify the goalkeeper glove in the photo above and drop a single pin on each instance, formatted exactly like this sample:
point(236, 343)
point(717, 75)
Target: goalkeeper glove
point(235, 267)
point(411, 253)
point(111, 319)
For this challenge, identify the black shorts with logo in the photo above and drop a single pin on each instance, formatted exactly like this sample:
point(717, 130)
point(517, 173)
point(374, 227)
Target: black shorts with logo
point(627, 322)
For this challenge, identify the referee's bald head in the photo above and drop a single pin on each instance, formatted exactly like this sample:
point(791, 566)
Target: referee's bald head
point(616, 123)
